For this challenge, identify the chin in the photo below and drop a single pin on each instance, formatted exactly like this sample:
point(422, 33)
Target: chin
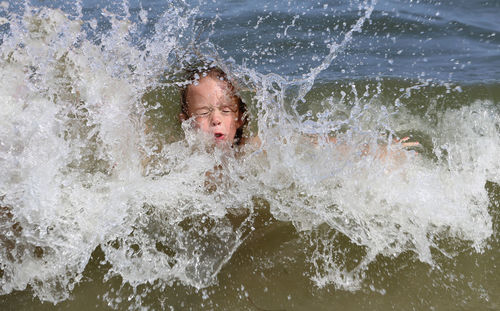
point(224, 144)
point(221, 141)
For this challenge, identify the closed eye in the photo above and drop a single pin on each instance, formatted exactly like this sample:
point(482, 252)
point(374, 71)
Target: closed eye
point(227, 109)
point(203, 112)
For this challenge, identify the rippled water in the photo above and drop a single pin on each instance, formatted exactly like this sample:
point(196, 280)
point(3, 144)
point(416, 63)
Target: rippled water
point(107, 202)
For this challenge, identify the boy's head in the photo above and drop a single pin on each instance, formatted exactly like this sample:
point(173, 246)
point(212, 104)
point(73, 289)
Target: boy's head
point(212, 102)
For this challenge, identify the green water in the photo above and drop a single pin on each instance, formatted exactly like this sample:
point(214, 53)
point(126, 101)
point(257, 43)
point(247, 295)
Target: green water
point(274, 267)
point(89, 90)
point(270, 272)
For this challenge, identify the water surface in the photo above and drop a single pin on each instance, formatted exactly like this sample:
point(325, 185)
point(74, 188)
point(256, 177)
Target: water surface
point(90, 89)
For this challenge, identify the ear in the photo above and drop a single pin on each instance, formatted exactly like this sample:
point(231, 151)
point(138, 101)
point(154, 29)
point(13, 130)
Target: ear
point(182, 117)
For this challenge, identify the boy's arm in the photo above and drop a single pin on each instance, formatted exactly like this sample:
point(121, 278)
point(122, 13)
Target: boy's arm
point(256, 141)
point(382, 152)
point(385, 152)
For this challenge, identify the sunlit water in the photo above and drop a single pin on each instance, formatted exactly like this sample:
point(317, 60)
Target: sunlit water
point(108, 202)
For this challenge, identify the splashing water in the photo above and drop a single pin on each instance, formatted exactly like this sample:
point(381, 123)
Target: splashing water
point(93, 159)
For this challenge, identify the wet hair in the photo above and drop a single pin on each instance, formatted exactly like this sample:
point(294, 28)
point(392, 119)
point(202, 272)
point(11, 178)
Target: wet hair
point(216, 72)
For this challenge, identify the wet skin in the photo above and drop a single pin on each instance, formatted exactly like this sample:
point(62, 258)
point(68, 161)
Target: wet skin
point(214, 108)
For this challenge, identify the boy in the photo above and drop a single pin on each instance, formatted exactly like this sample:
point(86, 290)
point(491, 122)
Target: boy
point(221, 114)
point(216, 109)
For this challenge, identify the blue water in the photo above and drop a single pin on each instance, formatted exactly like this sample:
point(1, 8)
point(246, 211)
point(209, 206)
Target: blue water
point(404, 39)
point(448, 41)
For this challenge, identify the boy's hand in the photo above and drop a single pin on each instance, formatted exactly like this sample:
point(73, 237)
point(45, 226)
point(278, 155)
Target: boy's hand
point(397, 155)
point(406, 144)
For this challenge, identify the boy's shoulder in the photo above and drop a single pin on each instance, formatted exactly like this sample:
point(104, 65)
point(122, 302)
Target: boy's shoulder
point(253, 141)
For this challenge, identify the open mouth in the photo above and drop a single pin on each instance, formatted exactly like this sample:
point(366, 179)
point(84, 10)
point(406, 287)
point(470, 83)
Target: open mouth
point(219, 136)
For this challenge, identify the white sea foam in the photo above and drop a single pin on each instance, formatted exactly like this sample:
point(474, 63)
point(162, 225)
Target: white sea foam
point(73, 142)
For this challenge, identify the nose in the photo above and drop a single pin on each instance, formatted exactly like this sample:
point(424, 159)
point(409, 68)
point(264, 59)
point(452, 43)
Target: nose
point(216, 118)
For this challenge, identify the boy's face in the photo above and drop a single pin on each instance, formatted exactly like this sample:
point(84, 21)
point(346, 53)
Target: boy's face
point(215, 108)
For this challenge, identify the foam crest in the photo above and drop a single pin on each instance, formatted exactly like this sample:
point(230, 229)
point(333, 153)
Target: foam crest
point(88, 163)
point(64, 128)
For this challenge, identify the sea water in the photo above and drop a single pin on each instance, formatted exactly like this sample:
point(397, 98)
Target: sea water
point(108, 202)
